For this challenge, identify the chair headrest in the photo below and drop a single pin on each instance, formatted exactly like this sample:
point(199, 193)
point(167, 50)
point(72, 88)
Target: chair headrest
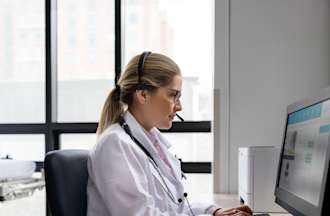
point(66, 178)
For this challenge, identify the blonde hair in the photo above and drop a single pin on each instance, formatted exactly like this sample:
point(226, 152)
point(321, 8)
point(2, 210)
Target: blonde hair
point(158, 71)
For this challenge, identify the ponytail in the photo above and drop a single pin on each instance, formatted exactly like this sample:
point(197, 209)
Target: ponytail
point(113, 108)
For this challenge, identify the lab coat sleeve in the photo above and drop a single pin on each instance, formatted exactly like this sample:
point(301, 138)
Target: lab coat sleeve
point(118, 171)
point(202, 208)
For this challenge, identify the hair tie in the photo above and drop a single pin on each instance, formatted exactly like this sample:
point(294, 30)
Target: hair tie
point(118, 87)
point(118, 91)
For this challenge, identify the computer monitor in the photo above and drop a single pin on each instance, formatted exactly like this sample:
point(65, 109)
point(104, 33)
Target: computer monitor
point(302, 185)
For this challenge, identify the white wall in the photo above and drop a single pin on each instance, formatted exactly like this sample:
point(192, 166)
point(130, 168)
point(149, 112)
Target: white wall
point(277, 53)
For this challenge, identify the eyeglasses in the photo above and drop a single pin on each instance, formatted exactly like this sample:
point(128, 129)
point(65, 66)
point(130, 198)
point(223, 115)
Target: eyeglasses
point(174, 94)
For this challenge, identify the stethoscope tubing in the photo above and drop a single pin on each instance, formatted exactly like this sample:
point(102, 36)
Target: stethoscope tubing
point(167, 190)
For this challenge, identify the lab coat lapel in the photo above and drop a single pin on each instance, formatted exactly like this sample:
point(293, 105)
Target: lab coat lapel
point(174, 162)
point(138, 133)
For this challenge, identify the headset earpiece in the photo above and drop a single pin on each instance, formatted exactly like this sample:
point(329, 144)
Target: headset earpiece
point(140, 71)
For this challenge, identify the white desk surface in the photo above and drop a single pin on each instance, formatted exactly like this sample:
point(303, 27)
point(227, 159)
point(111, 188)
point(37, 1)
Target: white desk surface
point(226, 201)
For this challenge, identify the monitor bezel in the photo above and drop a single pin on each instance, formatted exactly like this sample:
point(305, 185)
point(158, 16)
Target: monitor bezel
point(290, 202)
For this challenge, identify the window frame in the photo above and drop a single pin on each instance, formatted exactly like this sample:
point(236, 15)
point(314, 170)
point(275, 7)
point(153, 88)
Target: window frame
point(52, 130)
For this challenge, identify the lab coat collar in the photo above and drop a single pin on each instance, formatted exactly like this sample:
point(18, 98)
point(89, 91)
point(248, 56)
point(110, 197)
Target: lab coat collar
point(174, 162)
point(161, 137)
point(140, 134)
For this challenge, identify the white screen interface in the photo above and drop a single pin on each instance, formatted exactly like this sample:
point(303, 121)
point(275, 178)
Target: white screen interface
point(305, 148)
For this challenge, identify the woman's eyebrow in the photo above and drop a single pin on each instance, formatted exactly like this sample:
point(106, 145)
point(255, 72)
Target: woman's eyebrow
point(176, 90)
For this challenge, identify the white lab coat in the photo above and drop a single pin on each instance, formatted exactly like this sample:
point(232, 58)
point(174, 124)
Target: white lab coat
point(123, 181)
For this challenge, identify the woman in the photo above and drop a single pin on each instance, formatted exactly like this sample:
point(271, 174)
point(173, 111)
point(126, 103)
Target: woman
point(131, 171)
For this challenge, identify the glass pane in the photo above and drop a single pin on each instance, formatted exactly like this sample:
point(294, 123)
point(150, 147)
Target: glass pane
point(191, 146)
point(22, 61)
point(85, 58)
point(34, 205)
point(160, 26)
point(197, 185)
point(77, 141)
point(23, 147)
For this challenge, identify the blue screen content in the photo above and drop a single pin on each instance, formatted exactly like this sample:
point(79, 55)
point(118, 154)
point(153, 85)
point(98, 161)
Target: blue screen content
point(304, 153)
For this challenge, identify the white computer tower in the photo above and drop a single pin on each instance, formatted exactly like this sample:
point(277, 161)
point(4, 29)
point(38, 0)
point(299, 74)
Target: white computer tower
point(257, 171)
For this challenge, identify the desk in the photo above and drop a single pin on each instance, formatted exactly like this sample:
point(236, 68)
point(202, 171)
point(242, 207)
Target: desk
point(225, 201)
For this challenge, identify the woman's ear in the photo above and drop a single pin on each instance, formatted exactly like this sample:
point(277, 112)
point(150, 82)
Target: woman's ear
point(141, 96)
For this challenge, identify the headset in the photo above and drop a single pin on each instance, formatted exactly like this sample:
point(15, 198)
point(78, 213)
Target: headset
point(124, 125)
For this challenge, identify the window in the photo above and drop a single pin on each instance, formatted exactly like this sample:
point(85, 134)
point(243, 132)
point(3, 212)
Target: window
point(160, 26)
point(198, 185)
point(78, 141)
point(85, 58)
point(23, 146)
point(22, 61)
point(87, 51)
point(192, 147)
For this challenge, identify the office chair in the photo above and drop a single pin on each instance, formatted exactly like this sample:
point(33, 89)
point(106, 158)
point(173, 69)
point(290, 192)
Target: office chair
point(66, 179)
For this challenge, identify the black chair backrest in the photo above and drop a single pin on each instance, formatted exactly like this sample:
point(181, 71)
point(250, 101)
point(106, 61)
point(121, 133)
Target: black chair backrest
point(66, 178)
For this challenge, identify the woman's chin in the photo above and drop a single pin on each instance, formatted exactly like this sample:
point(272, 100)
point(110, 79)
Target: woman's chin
point(166, 126)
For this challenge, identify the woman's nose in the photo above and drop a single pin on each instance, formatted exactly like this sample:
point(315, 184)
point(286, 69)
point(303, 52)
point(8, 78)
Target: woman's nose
point(178, 106)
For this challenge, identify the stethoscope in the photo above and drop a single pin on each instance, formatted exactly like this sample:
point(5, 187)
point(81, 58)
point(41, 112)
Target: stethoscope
point(167, 190)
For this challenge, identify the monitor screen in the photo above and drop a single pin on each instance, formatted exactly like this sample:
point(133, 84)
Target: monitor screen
point(304, 160)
